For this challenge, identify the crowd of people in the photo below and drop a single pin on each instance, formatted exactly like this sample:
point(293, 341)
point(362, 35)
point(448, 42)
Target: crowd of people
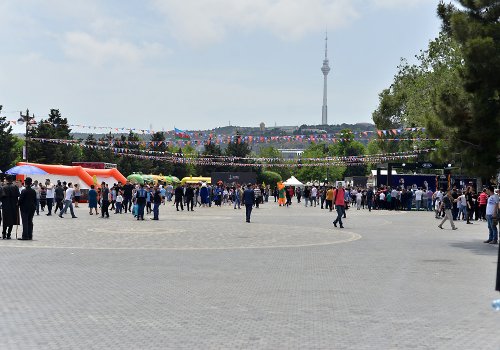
point(144, 199)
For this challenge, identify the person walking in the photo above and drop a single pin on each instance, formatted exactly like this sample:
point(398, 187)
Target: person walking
point(339, 201)
point(9, 196)
point(248, 200)
point(59, 197)
point(447, 204)
point(27, 206)
point(68, 201)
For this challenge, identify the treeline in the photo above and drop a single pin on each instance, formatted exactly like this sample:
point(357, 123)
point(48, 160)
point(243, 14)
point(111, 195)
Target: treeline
point(132, 146)
point(453, 90)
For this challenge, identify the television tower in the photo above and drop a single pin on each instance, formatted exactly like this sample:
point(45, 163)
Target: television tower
point(325, 69)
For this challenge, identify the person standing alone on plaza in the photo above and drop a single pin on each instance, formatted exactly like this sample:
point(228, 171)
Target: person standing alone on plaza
point(447, 204)
point(339, 201)
point(248, 200)
point(27, 206)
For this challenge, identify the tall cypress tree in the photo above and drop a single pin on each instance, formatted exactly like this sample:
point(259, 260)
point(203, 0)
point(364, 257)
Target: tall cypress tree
point(54, 127)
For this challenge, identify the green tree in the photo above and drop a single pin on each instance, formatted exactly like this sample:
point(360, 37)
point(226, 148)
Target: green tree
point(410, 100)
point(269, 178)
point(272, 152)
point(319, 173)
point(211, 151)
point(158, 144)
point(238, 147)
point(91, 153)
point(472, 119)
point(8, 144)
point(130, 164)
point(54, 127)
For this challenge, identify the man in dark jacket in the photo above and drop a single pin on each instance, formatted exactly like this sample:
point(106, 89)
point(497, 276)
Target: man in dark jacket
point(27, 205)
point(248, 200)
point(189, 197)
point(127, 196)
point(9, 195)
point(179, 194)
point(157, 199)
point(59, 197)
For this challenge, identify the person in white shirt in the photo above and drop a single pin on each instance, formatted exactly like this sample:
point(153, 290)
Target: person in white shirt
point(119, 201)
point(418, 198)
point(359, 197)
point(462, 207)
point(68, 201)
point(50, 196)
point(314, 193)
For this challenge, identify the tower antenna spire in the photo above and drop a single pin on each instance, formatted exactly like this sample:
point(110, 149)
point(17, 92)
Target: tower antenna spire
point(326, 45)
point(325, 69)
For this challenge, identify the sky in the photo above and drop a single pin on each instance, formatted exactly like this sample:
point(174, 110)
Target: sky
point(201, 64)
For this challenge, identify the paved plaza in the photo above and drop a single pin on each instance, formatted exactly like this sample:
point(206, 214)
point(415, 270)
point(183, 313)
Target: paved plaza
point(289, 280)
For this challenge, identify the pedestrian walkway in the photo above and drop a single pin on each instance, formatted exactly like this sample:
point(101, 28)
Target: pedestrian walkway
point(288, 280)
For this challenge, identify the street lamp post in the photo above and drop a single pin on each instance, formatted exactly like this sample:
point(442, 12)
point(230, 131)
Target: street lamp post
point(25, 119)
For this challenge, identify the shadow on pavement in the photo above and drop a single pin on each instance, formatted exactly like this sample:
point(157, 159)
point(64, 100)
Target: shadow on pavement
point(477, 247)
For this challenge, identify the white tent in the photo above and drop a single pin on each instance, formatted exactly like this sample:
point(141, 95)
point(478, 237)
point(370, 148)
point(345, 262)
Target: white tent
point(293, 182)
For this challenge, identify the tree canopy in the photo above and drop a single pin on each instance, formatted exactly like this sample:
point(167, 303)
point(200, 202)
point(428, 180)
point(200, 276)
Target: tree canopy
point(452, 90)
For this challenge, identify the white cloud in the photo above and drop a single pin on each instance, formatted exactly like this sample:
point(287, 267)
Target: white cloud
point(202, 22)
point(84, 47)
point(401, 3)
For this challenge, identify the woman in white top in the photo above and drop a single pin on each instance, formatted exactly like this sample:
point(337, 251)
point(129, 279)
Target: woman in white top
point(50, 196)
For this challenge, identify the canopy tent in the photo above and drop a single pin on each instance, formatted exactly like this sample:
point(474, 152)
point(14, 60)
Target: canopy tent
point(151, 178)
point(25, 170)
point(293, 182)
point(136, 178)
point(195, 180)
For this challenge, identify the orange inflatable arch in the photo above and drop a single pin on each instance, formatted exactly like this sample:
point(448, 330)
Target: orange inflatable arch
point(107, 173)
point(64, 170)
point(85, 174)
